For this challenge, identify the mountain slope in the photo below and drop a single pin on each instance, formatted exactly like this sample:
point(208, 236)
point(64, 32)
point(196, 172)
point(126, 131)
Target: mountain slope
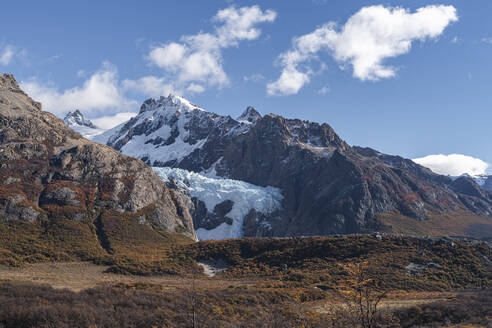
point(49, 172)
point(327, 185)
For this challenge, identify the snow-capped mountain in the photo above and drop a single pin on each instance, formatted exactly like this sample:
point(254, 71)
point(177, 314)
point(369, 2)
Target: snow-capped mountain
point(326, 185)
point(171, 131)
point(79, 123)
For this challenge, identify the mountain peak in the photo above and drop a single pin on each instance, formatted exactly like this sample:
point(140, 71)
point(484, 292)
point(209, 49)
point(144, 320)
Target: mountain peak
point(77, 118)
point(250, 114)
point(172, 102)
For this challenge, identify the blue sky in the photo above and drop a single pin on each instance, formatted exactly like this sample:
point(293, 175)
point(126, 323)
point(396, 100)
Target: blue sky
point(435, 98)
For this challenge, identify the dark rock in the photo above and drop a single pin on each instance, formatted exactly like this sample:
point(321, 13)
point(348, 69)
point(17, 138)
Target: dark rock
point(202, 218)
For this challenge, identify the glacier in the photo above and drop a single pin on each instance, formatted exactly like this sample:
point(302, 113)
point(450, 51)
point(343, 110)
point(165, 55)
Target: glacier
point(213, 191)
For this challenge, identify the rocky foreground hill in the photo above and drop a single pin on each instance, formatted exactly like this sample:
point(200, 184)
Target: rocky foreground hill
point(327, 185)
point(50, 172)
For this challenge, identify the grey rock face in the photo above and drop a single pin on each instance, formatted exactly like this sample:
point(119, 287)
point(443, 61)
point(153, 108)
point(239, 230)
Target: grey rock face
point(55, 170)
point(14, 207)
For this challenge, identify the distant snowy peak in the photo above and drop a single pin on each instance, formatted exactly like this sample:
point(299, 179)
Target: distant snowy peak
point(79, 123)
point(77, 118)
point(249, 115)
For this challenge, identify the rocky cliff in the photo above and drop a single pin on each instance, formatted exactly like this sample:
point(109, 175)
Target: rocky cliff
point(48, 172)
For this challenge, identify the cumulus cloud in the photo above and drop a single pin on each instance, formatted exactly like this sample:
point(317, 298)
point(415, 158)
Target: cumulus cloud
point(370, 36)
point(453, 164)
point(150, 86)
point(108, 122)
point(196, 61)
point(99, 93)
point(195, 88)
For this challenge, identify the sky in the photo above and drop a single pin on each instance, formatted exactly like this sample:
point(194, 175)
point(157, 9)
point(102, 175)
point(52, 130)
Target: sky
point(409, 78)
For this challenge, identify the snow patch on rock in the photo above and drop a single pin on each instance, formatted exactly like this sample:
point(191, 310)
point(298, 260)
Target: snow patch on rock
point(211, 269)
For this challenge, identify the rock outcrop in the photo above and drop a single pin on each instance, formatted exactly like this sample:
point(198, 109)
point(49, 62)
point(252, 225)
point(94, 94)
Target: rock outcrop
point(48, 171)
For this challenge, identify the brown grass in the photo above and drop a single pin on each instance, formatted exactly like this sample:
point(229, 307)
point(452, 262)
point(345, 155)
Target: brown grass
point(77, 276)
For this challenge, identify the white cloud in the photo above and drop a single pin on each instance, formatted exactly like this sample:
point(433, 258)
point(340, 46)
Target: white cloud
point(196, 61)
point(453, 164)
point(99, 93)
point(195, 88)
point(290, 82)
point(168, 56)
point(108, 122)
point(239, 24)
point(151, 86)
point(370, 36)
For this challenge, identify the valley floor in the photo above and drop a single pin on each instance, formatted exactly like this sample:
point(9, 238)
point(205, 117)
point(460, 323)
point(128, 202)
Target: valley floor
point(81, 276)
point(77, 276)
point(52, 278)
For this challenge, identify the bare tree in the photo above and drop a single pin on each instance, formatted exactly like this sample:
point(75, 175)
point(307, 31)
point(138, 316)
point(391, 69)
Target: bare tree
point(361, 297)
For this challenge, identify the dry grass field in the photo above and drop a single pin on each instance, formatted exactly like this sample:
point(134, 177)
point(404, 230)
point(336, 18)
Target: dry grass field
point(77, 276)
point(83, 294)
